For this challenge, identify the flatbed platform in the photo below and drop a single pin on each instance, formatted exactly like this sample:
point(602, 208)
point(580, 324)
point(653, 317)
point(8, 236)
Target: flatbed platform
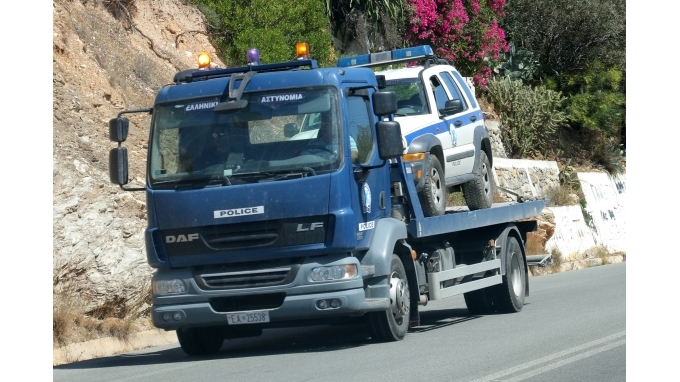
point(461, 218)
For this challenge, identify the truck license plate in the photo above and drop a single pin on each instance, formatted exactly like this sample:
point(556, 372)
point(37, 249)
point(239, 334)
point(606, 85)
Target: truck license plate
point(241, 318)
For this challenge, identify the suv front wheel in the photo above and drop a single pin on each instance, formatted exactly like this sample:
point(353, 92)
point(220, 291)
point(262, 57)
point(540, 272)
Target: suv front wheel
point(479, 191)
point(433, 195)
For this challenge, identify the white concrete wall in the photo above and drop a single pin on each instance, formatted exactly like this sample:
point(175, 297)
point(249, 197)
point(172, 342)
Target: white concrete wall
point(604, 195)
point(572, 235)
point(605, 198)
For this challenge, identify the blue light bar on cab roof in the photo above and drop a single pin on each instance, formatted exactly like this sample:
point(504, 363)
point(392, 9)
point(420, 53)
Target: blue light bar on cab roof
point(389, 57)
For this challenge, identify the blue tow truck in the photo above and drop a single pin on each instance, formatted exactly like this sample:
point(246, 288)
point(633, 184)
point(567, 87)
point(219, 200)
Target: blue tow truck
point(254, 224)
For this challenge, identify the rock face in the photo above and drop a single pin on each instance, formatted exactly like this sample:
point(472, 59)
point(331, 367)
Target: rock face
point(102, 65)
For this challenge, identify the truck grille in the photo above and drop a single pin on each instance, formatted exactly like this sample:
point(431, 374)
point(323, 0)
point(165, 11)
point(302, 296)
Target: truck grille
point(249, 236)
point(236, 240)
point(247, 275)
point(247, 279)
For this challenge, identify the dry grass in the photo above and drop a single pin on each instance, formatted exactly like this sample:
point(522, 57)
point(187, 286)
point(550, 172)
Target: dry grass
point(455, 199)
point(535, 244)
point(602, 253)
point(556, 264)
point(561, 196)
point(75, 320)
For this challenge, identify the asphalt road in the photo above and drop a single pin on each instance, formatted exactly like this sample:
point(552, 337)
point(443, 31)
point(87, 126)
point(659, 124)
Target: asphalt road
point(572, 328)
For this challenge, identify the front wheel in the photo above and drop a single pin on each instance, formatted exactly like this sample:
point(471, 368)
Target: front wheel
point(200, 341)
point(433, 195)
point(392, 324)
point(479, 191)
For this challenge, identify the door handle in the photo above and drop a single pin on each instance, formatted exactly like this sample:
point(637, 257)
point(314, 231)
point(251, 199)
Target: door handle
point(458, 123)
point(473, 118)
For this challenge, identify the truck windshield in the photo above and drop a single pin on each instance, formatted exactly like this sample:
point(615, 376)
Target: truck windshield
point(277, 136)
point(410, 96)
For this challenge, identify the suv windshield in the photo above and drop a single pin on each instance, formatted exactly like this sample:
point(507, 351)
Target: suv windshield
point(277, 136)
point(410, 96)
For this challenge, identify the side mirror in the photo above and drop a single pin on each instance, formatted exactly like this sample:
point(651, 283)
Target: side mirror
point(452, 106)
point(390, 144)
point(118, 166)
point(382, 83)
point(384, 103)
point(290, 129)
point(118, 129)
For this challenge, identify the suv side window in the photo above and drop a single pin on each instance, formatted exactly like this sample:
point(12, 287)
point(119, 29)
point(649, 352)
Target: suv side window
point(466, 88)
point(440, 95)
point(453, 89)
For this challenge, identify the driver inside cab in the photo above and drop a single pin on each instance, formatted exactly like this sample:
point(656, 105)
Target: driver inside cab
point(326, 138)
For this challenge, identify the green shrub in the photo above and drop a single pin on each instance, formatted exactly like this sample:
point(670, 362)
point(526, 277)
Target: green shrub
point(529, 115)
point(597, 102)
point(609, 154)
point(274, 27)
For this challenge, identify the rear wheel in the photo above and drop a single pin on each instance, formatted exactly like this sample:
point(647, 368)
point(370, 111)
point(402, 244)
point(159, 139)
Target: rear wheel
point(508, 297)
point(392, 324)
point(433, 195)
point(200, 341)
point(479, 191)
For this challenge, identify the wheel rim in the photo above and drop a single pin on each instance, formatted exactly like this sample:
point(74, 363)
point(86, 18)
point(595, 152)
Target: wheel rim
point(516, 275)
point(436, 186)
point(485, 178)
point(400, 298)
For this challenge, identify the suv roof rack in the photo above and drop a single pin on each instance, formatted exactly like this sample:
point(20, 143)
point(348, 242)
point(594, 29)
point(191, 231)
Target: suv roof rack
point(422, 52)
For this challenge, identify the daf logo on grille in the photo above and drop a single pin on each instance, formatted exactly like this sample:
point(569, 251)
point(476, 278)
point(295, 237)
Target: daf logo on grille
point(311, 227)
point(181, 238)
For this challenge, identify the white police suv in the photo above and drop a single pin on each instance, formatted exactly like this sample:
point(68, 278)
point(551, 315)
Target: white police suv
point(442, 126)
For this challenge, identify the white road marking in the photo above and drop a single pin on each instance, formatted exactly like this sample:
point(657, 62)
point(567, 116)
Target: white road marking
point(551, 357)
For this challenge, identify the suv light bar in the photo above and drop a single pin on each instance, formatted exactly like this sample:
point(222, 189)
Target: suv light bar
point(387, 58)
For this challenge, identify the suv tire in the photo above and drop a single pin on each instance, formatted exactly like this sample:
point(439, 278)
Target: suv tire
point(479, 192)
point(433, 195)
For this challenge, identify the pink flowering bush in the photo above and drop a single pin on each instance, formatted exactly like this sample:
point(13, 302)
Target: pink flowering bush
point(464, 32)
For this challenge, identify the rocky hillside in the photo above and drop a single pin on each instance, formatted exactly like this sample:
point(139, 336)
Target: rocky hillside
point(106, 60)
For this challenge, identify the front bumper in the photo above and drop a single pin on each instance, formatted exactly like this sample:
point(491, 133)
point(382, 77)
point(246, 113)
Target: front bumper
point(419, 167)
point(293, 308)
point(294, 301)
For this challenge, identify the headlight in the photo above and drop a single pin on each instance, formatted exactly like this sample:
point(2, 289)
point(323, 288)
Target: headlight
point(163, 287)
point(335, 272)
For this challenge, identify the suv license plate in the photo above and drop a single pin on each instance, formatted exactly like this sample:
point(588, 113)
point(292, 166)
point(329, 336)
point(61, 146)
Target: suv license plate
point(247, 318)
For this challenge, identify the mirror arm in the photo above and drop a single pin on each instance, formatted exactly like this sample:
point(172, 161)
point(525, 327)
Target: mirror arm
point(147, 110)
point(132, 188)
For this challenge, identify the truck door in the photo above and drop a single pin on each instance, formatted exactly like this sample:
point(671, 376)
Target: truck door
point(368, 195)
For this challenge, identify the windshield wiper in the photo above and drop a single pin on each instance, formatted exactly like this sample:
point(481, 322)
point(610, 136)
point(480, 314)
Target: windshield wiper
point(197, 181)
point(288, 174)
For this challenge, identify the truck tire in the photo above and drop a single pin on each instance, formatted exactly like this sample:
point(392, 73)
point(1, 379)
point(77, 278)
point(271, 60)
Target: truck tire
point(508, 297)
point(479, 191)
point(478, 302)
point(200, 341)
point(433, 195)
point(392, 324)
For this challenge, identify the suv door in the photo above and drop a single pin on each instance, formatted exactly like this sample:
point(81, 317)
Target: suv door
point(458, 159)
